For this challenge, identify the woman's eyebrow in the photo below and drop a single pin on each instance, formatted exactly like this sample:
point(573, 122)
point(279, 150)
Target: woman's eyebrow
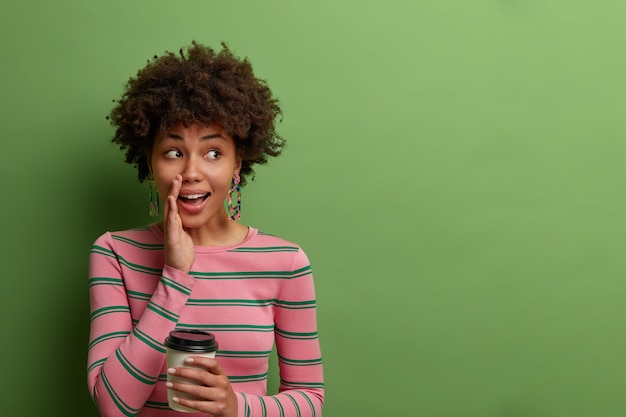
point(213, 136)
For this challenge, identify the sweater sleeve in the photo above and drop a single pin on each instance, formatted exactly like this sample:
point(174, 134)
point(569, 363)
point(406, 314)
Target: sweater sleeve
point(125, 358)
point(301, 390)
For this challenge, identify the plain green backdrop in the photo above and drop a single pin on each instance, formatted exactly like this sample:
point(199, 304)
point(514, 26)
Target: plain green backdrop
point(454, 170)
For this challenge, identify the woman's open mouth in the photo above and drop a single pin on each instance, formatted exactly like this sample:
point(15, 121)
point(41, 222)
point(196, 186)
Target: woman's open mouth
point(192, 203)
point(194, 198)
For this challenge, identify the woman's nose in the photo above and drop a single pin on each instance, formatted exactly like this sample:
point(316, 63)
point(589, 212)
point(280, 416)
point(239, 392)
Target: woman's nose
point(191, 170)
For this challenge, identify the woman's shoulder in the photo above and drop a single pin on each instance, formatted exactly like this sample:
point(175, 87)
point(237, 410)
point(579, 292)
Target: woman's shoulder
point(139, 236)
point(264, 240)
point(276, 249)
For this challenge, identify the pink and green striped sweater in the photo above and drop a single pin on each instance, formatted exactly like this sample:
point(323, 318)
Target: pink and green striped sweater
point(252, 296)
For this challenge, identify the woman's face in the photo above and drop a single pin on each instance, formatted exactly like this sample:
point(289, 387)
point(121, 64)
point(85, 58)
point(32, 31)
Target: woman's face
point(206, 158)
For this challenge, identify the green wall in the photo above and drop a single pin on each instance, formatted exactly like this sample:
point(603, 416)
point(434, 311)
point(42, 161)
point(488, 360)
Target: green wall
point(454, 169)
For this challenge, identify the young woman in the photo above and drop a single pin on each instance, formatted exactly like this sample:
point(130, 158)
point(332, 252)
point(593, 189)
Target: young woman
point(194, 124)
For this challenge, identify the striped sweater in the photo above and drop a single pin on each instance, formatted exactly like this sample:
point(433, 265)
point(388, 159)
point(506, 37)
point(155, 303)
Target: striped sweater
point(252, 296)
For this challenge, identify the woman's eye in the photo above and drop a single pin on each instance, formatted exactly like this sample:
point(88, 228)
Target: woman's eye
point(213, 154)
point(173, 154)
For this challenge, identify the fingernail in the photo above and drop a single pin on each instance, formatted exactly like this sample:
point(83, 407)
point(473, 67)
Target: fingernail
point(171, 370)
point(169, 384)
point(176, 399)
point(189, 360)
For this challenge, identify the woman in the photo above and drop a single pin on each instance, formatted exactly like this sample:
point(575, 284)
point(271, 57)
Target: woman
point(194, 124)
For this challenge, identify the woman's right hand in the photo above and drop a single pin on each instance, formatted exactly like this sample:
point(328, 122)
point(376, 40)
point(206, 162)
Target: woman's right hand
point(179, 248)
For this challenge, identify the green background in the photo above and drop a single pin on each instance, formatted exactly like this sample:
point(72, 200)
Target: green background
point(454, 170)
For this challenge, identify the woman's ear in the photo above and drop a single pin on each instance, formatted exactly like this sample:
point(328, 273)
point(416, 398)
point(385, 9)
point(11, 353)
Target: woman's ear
point(238, 163)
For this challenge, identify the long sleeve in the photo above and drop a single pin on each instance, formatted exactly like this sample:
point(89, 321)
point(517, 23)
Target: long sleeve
point(126, 354)
point(252, 296)
point(301, 391)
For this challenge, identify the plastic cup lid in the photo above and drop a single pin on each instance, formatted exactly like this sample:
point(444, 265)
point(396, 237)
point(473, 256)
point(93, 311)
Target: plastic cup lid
point(191, 341)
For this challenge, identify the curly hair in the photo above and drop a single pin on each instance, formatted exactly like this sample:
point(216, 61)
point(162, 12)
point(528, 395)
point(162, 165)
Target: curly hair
point(197, 86)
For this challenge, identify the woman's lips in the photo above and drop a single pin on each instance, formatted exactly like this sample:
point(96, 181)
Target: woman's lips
point(193, 203)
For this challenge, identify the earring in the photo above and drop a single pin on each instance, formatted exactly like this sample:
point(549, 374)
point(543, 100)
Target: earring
point(154, 206)
point(234, 211)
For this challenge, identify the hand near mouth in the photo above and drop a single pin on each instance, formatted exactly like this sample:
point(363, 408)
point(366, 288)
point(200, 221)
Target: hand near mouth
point(179, 248)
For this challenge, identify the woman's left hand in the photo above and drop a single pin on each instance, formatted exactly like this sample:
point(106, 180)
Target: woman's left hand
point(213, 387)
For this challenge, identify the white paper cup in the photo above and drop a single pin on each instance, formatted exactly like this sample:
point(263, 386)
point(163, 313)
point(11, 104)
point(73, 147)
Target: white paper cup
point(179, 345)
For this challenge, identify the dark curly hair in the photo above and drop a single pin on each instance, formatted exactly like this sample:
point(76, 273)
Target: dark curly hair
point(197, 86)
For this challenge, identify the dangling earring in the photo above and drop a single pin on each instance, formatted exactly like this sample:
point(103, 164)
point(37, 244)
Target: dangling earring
point(154, 206)
point(234, 211)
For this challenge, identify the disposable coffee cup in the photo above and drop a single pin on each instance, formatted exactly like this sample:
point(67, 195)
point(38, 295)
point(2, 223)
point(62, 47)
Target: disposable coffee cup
point(179, 345)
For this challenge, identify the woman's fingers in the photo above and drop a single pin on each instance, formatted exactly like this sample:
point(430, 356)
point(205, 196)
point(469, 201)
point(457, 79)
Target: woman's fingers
point(205, 371)
point(210, 364)
point(179, 249)
point(173, 219)
point(209, 387)
point(177, 183)
point(172, 209)
point(170, 212)
point(201, 392)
